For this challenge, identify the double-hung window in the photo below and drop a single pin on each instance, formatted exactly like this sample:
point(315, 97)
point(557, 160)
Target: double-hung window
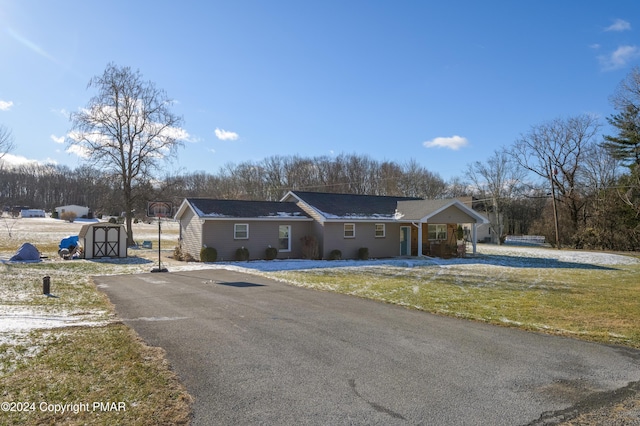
point(284, 238)
point(437, 231)
point(349, 230)
point(380, 231)
point(241, 231)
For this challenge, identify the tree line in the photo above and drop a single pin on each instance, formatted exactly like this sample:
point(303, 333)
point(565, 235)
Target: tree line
point(562, 179)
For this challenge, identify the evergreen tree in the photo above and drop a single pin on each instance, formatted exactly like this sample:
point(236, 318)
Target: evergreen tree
point(626, 145)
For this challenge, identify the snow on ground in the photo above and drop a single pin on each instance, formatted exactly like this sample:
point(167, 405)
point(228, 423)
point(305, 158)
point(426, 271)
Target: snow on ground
point(517, 256)
point(21, 319)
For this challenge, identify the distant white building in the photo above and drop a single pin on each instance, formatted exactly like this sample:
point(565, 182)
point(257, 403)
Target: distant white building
point(80, 211)
point(32, 213)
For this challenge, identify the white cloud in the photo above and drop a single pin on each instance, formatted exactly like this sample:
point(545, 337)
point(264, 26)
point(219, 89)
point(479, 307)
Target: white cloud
point(17, 160)
point(619, 25)
point(619, 58)
point(225, 135)
point(454, 142)
point(57, 139)
point(80, 151)
point(5, 105)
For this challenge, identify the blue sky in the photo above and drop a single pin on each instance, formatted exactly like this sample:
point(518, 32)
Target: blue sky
point(444, 83)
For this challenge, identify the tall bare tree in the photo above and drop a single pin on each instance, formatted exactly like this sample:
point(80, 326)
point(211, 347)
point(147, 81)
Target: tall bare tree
point(496, 182)
point(6, 141)
point(555, 152)
point(127, 129)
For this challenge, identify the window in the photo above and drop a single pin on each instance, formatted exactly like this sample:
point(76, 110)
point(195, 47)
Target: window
point(349, 230)
point(284, 238)
point(380, 230)
point(437, 232)
point(241, 231)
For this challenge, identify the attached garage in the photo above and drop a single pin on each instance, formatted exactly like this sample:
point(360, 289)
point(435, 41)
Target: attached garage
point(103, 240)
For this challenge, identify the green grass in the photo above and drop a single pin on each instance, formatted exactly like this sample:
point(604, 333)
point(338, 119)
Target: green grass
point(598, 304)
point(98, 364)
point(106, 362)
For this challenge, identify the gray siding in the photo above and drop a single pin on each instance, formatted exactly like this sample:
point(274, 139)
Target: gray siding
point(191, 234)
point(379, 247)
point(452, 215)
point(219, 234)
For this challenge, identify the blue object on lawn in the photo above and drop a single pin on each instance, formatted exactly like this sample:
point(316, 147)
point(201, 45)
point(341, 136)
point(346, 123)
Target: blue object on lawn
point(68, 242)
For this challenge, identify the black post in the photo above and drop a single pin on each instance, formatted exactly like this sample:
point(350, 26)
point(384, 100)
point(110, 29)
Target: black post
point(159, 253)
point(46, 285)
point(159, 268)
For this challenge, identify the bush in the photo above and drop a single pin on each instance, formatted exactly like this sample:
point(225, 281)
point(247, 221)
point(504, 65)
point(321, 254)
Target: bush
point(271, 253)
point(179, 254)
point(335, 255)
point(113, 220)
point(363, 253)
point(208, 254)
point(310, 248)
point(242, 254)
point(68, 216)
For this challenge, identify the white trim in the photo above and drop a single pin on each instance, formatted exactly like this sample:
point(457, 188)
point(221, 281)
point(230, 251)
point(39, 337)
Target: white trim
point(235, 231)
point(384, 230)
point(344, 230)
point(479, 218)
point(288, 249)
point(446, 232)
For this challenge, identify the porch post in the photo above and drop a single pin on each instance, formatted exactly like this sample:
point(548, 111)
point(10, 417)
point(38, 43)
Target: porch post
point(419, 239)
point(474, 236)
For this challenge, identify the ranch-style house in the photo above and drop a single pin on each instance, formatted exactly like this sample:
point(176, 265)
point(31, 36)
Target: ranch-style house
point(386, 226)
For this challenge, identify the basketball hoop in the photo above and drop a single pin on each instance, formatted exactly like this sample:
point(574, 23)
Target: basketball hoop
point(159, 209)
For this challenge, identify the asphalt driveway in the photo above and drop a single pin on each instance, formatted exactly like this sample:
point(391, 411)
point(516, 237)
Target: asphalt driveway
point(256, 351)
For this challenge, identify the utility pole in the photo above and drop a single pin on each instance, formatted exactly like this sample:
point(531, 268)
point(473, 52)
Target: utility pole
point(553, 198)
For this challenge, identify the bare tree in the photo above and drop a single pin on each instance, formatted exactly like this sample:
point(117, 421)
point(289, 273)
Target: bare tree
point(6, 141)
point(496, 182)
point(555, 152)
point(127, 130)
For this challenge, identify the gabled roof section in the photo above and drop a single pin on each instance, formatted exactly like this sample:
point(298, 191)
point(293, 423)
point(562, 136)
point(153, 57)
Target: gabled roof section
point(422, 210)
point(207, 208)
point(349, 206)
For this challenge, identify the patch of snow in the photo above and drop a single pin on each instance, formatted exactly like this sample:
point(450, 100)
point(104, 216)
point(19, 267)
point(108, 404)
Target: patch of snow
point(24, 320)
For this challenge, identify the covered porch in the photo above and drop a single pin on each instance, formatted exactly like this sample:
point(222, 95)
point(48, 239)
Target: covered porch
point(429, 227)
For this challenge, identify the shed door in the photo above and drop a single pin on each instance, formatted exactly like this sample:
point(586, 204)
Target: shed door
point(106, 241)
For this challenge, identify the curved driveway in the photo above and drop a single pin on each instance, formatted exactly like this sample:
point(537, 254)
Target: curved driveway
point(256, 351)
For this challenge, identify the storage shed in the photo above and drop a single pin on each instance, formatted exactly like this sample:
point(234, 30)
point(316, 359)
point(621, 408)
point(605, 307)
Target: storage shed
point(103, 239)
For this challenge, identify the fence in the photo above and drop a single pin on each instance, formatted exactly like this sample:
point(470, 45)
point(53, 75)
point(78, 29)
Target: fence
point(533, 240)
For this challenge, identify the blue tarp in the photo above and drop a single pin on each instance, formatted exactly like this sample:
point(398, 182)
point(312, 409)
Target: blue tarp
point(68, 242)
point(26, 252)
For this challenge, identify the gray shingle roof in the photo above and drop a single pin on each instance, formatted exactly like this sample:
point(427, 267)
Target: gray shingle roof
point(206, 207)
point(350, 206)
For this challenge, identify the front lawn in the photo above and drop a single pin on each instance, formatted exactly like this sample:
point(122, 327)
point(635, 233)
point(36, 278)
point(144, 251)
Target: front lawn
point(589, 301)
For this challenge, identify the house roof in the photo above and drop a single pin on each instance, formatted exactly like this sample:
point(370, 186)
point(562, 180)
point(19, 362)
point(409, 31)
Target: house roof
point(349, 206)
point(220, 209)
point(422, 210)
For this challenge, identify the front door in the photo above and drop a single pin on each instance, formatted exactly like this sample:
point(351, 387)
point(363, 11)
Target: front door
point(405, 240)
